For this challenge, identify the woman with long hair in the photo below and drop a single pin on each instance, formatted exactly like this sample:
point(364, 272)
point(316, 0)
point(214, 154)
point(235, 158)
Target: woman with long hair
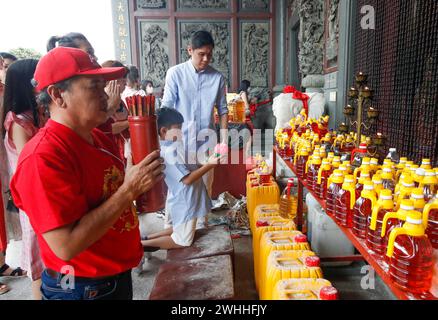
point(23, 118)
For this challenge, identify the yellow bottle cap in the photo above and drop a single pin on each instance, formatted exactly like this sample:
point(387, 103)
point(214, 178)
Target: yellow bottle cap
point(407, 205)
point(408, 181)
point(349, 179)
point(368, 185)
point(377, 179)
point(385, 194)
point(417, 194)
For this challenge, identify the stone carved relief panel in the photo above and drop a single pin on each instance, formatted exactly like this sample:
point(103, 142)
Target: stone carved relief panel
point(255, 53)
point(220, 30)
point(151, 4)
point(331, 34)
point(185, 5)
point(154, 48)
point(311, 36)
point(254, 5)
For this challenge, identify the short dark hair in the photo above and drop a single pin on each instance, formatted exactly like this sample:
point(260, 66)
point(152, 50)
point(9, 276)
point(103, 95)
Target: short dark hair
point(168, 117)
point(115, 64)
point(201, 39)
point(133, 74)
point(244, 86)
point(145, 83)
point(69, 40)
point(6, 55)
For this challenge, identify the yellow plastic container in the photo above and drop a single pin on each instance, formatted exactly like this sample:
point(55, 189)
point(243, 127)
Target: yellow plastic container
point(276, 241)
point(303, 289)
point(262, 194)
point(289, 265)
point(265, 211)
point(262, 226)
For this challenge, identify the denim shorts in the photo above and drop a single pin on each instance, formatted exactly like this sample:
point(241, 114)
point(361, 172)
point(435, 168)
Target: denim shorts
point(118, 287)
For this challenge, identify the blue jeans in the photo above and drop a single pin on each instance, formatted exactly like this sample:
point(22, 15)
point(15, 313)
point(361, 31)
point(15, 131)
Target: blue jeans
point(118, 287)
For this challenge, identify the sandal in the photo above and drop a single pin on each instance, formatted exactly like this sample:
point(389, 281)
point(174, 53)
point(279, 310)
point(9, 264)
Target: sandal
point(18, 272)
point(3, 289)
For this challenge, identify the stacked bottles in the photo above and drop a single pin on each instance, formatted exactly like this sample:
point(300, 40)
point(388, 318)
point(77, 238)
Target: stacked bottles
point(429, 185)
point(404, 190)
point(359, 156)
point(393, 156)
point(431, 220)
point(394, 220)
point(312, 172)
point(364, 166)
point(400, 167)
point(344, 203)
point(336, 162)
point(322, 182)
point(418, 175)
point(417, 198)
point(388, 178)
point(378, 183)
point(374, 240)
point(347, 166)
point(426, 164)
point(302, 159)
point(374, 166)
point(289, 201)
point(359, 186)
point(363, 209)
point(411, 256)
point(335, 185)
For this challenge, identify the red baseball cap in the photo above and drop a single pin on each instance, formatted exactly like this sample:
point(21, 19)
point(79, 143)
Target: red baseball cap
point(63, 63)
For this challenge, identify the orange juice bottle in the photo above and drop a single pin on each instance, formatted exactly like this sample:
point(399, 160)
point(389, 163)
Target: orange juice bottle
point(363, 208)
point(374, 240)
point(431, 221)
point(335, 185)
point(344, 203)
point(411, 256)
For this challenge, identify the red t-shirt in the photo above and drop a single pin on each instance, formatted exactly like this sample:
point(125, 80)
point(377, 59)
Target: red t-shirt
point(59, 179)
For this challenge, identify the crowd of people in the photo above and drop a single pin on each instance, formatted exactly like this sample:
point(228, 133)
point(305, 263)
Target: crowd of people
point(70, 174)
point(67, 171)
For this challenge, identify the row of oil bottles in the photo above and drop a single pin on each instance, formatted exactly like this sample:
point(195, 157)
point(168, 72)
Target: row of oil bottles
point(392, 207)
point(285, 268)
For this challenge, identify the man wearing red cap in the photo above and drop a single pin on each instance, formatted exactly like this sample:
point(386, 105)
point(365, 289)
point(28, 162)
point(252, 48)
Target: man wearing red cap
point(74, 188)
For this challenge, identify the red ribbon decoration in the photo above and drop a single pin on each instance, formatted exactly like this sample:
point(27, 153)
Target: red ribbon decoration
point(298, 95)
point(289, 89)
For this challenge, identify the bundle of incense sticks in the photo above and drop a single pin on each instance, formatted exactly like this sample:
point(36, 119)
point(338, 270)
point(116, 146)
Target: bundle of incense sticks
point(141, 106)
